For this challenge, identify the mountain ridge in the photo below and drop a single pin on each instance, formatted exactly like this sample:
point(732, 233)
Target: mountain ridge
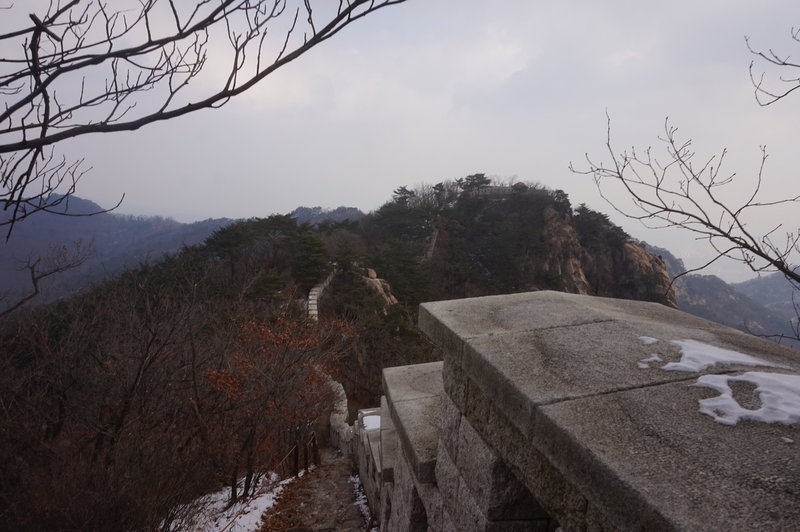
point(748, 309)
point(117, 241)
point(760, 306)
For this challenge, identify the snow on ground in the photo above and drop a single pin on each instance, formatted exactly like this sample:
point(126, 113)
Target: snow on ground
point(648, 340)
point(244, 516)
point(371, 422)
point(361, 497)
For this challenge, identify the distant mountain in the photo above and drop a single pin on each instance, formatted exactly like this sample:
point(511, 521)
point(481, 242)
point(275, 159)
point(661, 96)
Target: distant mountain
point(315, 215)
point(773, 291)
point(757, 307)
point(712, 298)
point(117, 241)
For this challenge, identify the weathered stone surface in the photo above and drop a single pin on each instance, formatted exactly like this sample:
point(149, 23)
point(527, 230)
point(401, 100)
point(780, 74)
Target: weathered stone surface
point(449, 323)
point(432, 501)
point(561, 500)
point(404, 383)
point(387, 495)
point(463, 512)
point(447, 476)
point(406, 510)
point(374, 443)
point(459, 320)
point(367, 450)
point(459, 506)
point(526, 370)
point(454, 382)
point(449, 421)
point(691, 470)
point(554, 386)
point(447, 524)
point(595, 520)
point(388, 449)
point(496, 491)
point(413, 396)
point(374, 439)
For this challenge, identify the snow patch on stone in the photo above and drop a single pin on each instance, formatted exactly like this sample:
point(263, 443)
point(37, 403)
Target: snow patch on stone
point(645, 362)
point(779, 394)
point(697, 356)
point(371, 422)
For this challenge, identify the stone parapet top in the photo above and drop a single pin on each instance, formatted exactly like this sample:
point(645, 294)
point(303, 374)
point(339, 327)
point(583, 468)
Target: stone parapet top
point(388, 449)
point(412, 394)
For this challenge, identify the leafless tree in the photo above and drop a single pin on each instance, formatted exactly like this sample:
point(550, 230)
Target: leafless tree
point(60, 258)
point(788, 77)
point(76, 67)
point(676, 189)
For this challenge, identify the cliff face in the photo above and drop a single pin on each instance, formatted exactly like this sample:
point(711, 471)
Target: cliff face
point(644, 276)
point(604, 266)
point(565, 259)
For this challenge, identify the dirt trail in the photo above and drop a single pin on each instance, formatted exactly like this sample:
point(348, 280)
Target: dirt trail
point(321, 500)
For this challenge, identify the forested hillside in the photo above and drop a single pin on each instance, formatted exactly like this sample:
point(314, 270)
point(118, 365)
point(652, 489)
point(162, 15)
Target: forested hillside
point(178, 376)
point(122, 404)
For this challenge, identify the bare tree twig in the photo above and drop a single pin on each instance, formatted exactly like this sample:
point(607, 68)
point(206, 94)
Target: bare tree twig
point(99, 67)
point(788, 80)
point(60, 259)
point(676, 191)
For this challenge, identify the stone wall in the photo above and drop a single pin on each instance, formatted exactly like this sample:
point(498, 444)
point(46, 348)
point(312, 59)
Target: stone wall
point(561, 411)
point(340, 433)
point(436, 472)
point(368, 456)
point(315, 294)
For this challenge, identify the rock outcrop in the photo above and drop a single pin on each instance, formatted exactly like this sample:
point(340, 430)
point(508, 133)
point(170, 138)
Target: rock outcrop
point(607, 267)
point(380, 287)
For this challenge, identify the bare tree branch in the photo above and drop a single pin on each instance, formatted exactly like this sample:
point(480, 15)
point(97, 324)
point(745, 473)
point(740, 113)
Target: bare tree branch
point(89, 66)
point(788, 79)
point(60, 259)
point(677, 192)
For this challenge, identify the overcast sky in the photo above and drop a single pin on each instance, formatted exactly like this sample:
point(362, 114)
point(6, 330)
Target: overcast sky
point(433, 89)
